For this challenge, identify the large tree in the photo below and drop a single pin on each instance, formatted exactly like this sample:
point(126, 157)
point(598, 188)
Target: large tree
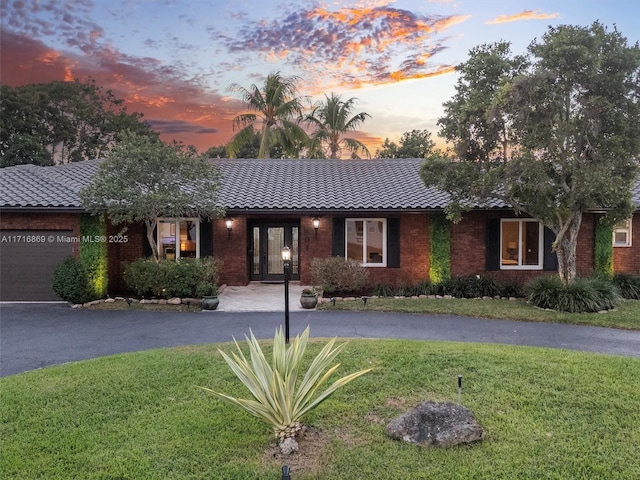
point(413, 144)
point(275, 108)
point(62, 122)
point(553, 133)
point(144, 179)
point(332, 119)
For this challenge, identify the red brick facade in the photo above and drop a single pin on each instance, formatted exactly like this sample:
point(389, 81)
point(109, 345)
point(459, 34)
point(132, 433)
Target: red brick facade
point(39, 221)
point(627, 259)
point(468, 246)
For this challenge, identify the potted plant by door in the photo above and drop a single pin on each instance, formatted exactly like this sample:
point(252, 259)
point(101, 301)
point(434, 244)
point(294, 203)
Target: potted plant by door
point(308, 298)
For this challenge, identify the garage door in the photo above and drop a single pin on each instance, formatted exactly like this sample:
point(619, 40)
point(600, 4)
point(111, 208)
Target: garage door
point(27, 261)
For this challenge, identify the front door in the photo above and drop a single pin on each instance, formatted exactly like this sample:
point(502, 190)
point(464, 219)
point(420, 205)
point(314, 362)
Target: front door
point(267, 242)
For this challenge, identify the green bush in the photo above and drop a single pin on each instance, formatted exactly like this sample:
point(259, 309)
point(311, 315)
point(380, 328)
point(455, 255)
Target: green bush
point(338, 274)
point(187, 277)
point(628, 284)
point(470, 287)
point(580, 296)
point(71, 281)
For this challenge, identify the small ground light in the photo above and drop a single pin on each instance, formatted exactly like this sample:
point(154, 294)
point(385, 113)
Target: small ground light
point(460, 389)
point(364, 299)
point(286, 473)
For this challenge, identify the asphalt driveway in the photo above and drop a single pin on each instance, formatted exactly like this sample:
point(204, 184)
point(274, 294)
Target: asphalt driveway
point(38, 335)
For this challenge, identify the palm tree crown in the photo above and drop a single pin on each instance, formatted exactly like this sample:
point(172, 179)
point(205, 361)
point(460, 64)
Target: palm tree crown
point(332, 118)
point(279, 110)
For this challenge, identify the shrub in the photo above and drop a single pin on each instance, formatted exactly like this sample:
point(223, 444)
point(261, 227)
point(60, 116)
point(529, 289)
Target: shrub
point(629, 285)
point(582, 295)
point(71, 281)
point(382, 290)
point(338, 274)
point(470, 287)
point(187, 277)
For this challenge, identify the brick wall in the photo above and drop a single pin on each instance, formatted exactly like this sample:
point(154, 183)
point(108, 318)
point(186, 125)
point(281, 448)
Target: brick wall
point(232, 249)
point(627, 259)
point(39, 221)
point(119, 254)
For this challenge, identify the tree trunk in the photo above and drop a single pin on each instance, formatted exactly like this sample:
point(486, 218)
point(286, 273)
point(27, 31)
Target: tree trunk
point(151, 226)
point(264, 142)
point(565, 247)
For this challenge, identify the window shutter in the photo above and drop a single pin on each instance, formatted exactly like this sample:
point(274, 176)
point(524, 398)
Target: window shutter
point(550, 261)
point(492, 253)
point(393, 242)
point(206, 238)
point(337, 248)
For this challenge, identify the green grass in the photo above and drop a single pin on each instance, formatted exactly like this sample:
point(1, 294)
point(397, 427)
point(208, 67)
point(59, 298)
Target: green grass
point(548, 414)
point(626, 316)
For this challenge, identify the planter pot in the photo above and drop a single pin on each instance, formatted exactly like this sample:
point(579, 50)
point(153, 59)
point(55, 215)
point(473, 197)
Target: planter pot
point(308, 301)
point(210, 302)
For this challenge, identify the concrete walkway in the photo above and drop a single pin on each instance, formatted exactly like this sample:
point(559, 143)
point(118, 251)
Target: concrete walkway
point(260, 297)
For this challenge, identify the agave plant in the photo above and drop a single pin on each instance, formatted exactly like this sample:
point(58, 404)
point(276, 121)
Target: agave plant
point(280, 398)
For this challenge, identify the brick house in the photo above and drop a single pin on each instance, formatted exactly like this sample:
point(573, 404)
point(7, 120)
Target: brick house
point(376, 211)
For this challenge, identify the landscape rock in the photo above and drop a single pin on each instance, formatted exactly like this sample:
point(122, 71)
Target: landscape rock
point(436, 424)
point(288, 446)
point(174, 301)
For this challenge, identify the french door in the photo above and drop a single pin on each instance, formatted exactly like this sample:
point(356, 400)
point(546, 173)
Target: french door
point(267, 241)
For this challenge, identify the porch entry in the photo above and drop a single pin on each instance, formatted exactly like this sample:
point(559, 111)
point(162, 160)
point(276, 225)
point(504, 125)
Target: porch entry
point(267, 240)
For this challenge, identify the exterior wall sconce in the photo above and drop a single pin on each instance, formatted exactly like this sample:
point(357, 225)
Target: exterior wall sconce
point(316, 225)
point(229, 223)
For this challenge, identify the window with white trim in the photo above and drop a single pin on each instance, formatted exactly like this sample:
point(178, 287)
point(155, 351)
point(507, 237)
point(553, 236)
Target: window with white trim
point(366, 241)
point(521, 244)
point(622, 234)
point(178, 238)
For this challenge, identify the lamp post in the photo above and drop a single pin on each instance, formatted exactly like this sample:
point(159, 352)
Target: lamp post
point(286, 262)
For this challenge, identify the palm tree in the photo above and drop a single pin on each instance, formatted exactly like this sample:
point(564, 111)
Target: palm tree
point(278, 112)
point(333, 119)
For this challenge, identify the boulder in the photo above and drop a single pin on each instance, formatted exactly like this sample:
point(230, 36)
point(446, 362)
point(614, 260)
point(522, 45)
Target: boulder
point(174, 301)
point(436, 424)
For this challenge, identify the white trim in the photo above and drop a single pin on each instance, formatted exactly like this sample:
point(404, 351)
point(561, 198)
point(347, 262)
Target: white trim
point(520, 266)
point(176, 224)
point(626, 227)
point(365, 232)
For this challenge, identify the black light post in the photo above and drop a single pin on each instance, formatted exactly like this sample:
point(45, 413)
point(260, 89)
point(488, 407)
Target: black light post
point(286, 262)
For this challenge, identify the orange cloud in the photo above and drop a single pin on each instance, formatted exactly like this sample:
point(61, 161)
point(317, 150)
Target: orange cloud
point(525, 15)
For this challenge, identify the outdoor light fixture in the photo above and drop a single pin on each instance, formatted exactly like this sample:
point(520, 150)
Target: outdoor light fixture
point(316, 225)
point(229, 223)
point(286, 263)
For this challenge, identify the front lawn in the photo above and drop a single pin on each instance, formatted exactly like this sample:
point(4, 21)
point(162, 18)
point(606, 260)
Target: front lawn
point(548, 414)
point(626, 316)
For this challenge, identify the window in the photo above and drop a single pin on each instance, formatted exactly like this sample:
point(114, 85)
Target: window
point(622, 234)
point(521, 244)
point(366, 241)
point(178, 238)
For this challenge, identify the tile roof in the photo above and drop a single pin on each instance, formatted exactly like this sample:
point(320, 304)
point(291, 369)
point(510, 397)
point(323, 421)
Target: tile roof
point(30, 186)
point(292, 184)
point(250, 185)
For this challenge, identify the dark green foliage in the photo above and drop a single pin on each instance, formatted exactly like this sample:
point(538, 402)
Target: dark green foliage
point(188, 277)
point(459, 287)
point(603, 250)
point(580, 296)
point(338, 275)
point(439, 248)
point(71, 281)
point(93, 253)
point(629, 285)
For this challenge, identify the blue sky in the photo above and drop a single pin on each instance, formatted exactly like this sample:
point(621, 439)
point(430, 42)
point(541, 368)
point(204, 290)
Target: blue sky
point(174, 60)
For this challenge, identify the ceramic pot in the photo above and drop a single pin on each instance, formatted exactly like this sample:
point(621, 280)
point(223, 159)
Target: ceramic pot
point(210, 302)
point(308, 301)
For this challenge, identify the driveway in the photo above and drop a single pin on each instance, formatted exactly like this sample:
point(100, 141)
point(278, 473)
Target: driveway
point(38, 335)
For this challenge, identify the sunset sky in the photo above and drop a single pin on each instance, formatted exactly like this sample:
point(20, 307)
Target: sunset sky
point(173, 60)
